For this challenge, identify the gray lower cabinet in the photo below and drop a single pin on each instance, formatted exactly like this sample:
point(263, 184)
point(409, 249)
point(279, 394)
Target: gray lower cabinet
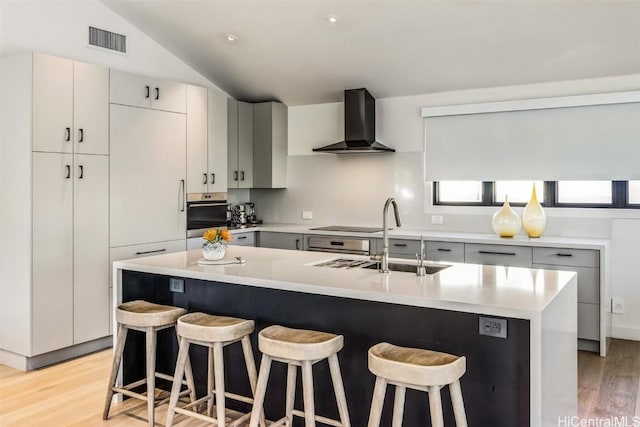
point(507, 255)
point(243, 239)
point(444, 251)
point(268, 239)
point(586, 263)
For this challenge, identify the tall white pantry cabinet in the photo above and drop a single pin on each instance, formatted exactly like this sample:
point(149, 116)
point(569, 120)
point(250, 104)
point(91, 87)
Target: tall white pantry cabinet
point(54, 290)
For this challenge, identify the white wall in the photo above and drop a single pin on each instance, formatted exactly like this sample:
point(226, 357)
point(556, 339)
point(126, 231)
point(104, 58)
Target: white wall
point(351, 190)
point(60, 27)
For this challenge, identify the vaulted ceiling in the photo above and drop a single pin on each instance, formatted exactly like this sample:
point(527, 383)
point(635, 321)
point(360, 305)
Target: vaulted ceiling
point(288, 50)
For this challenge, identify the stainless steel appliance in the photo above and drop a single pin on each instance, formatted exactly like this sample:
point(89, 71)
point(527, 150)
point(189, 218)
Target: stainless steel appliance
point(206, 210)
point(342, 245)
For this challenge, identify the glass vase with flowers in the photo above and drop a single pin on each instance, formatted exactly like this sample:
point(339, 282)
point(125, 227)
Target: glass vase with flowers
point(215, 243)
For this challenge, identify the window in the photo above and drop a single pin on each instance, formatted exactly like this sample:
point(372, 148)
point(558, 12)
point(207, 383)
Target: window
point(459, 192)
point(585, 192)
point(634, 192)
point(517, 191)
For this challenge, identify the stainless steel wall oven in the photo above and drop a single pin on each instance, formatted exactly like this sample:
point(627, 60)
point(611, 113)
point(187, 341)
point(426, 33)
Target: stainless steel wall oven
point(206, 210)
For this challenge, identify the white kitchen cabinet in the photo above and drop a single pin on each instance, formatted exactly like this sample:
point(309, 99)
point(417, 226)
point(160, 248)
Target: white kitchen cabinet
point(90, 248)
point(70, 106)
point(54, 222)
point(206, 140)
point(147, 176)
point(240, 144)
point(52, 285)
point(147, 92)
point(269, 145)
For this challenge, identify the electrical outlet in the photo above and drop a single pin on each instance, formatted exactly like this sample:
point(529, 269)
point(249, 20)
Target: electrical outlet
point(437, 219)
point(617, 305)
point(307, 215)
point(493, 327)
point(176, 285)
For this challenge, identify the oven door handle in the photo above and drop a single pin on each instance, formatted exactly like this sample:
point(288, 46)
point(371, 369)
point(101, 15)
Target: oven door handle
point(206, 205)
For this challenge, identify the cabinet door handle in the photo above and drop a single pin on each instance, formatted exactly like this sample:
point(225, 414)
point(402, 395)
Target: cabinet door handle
point(80, 135)
point(213, 178)
point(400, 245)
point(444, 250)
point(235, 175)
point(146, 93)
point(68, 171)
point(497, 253)
point(204, 178)
point(242, 237)
point(182, 195)
point(157, 93)
point(67, 137)
point(297, 244)
point(81, 169)
point(564, 254)
point(242, 176)
point(150, 252)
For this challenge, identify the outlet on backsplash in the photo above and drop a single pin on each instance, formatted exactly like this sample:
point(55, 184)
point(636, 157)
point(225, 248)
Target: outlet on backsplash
point(437, 219)
point(307, 215)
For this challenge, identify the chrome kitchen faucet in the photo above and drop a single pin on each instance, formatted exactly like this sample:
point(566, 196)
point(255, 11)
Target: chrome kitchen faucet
point(383, 258)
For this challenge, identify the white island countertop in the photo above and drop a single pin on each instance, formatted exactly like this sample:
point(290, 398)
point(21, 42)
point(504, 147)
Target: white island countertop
point(500, 291)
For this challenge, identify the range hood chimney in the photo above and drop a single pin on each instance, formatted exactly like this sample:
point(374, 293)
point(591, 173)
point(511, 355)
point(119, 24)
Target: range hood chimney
point(359, 126)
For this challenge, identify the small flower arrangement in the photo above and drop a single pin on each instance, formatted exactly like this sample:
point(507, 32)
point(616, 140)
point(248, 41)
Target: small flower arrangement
point(216, 236)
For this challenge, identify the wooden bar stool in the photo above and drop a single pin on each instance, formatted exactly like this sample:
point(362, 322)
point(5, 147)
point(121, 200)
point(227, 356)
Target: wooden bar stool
point(298, 347)
point(148, 318)
point(214, 332)
point(423, 370)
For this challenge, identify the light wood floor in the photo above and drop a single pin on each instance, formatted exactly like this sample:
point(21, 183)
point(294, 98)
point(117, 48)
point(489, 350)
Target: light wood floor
point(72, 393)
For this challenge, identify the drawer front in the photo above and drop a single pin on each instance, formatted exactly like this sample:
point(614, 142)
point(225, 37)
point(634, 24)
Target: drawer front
point(444, 251)
point(139, 251)
point(562, 256)
point(269, 239)
point(402, 248)
point(588, 281)
point(243, 239)
point(589, 321)
point(511, 256)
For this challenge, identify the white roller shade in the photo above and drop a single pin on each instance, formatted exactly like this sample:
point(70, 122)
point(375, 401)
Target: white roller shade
point(587, 142)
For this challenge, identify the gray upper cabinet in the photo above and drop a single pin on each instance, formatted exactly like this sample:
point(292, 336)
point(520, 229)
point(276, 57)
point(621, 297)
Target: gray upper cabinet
point(269, 145)
point(257, 145)
point(239, 144)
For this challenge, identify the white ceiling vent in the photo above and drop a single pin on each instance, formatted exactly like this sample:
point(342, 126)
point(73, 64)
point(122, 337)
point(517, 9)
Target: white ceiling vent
point(107, 39)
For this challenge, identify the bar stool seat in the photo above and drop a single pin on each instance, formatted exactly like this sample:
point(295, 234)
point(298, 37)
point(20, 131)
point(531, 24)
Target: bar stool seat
point(304, 348)
point(149, 318)
point(214, 332)
point(417, 369)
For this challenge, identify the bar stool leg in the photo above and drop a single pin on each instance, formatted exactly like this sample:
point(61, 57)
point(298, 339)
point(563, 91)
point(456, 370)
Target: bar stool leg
point(292, 372)
point(183, 356)
point(251, 370)
point(218, 361)
point(338, 388)
point(188, 373)
point(307, 392)
point(458, 404)
point(151, 373)
point(115, 366)
point(377, 401)
point(261, 389)
point(398, 406)
point(210, 382)
point(435, 405)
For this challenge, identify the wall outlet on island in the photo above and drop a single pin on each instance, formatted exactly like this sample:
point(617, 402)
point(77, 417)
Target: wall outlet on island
point(617, 305)
point(307, 215)
point(437, 219)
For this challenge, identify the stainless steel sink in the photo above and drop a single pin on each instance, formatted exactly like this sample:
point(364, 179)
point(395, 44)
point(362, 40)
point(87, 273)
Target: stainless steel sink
point(408, 268)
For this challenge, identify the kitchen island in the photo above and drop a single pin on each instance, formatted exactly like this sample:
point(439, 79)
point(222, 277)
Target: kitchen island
point(527, 378)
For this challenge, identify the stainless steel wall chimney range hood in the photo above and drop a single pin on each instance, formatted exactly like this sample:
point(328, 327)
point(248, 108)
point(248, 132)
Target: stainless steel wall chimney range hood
point(359, 126)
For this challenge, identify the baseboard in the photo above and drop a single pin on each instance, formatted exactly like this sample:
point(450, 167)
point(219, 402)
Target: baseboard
point(25, 363)
point(623, 333)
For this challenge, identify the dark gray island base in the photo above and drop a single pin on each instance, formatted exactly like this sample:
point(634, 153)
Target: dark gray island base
point(496, 387)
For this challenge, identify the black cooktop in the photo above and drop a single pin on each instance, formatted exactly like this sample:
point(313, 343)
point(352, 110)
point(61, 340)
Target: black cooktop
point(348, 229)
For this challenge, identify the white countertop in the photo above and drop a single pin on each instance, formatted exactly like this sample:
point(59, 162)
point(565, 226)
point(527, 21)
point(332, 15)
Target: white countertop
point(501, 291)
point(402, 233)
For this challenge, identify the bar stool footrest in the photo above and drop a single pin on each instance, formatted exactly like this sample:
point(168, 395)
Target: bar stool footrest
point(319, 418)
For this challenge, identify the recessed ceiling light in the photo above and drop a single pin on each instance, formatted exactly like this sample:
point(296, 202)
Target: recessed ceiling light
point(230, 38)
point(332, 19)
